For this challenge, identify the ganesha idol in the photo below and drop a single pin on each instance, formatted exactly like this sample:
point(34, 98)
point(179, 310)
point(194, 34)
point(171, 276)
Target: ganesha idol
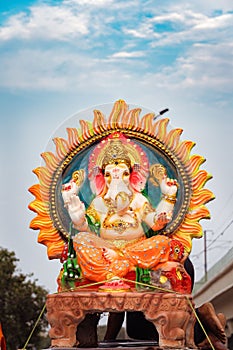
point(120, 200)
point(118, 172)
point(119, 204)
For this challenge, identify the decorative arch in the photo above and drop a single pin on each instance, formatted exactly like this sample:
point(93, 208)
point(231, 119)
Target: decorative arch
point(156, 138)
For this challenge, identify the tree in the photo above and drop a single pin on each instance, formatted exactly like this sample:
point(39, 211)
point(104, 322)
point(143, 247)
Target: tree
point(21, 302)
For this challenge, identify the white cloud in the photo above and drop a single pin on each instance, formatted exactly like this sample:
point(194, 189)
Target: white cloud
point(207, 6)
point(95, 3)
point(124, 54)
point(74, 19)
point(209, 67)
point(210, 5)
point(69, 20)
point(201, 64)
point(55, 70)
point(42, 69)
point(180, 20)
point(199, 28)
point(217, 22)
point(143, 32)
point(46, 22)
point(185, 16)
point(203, 70)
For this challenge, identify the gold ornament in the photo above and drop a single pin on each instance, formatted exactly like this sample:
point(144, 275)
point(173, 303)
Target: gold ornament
point(117, 148)
point(79, 176)
point(157, 173)
point(169, 198)
point(115, 153)
point(120, 225)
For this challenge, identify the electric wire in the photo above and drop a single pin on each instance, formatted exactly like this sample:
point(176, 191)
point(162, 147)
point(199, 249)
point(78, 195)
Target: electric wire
point(214, 240)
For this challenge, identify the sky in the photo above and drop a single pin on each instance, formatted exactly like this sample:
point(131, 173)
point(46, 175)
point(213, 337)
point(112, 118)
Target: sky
point(59, 58)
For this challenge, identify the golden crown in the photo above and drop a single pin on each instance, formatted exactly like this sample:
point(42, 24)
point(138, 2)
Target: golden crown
point(115, 152)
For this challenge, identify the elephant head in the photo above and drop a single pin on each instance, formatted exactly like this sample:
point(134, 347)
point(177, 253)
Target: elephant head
point(118, 189)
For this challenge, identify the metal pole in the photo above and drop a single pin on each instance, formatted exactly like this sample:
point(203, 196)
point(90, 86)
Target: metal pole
point(205, 255)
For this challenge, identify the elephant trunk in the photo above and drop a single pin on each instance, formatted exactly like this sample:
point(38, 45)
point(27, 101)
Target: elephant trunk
point(120, 193)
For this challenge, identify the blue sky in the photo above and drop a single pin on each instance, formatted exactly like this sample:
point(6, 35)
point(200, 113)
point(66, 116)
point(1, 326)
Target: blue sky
point(60, 57)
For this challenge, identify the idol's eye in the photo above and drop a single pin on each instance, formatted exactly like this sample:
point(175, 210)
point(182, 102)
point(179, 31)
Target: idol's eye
point(126, 173)
point(107, 174)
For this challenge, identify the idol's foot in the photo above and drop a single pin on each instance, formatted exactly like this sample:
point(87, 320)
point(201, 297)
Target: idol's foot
point(115, 285)
point(212, 323)
point(109, 254)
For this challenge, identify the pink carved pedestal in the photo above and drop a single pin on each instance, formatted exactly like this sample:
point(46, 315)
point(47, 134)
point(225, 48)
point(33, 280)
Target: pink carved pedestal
point(171, 314)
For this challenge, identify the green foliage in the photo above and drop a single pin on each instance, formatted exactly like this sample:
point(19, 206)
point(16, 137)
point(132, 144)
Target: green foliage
point(71, 269)
point(21, 302)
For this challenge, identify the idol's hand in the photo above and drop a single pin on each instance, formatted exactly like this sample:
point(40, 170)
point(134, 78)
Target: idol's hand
point(68, 190)
point(76, 210)
point(168, 186)
point(160, 221)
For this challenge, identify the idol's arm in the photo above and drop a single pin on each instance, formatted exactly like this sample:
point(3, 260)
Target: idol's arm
point(76, 210)
point(75, 207)
point(157, 219)
point(168, 199)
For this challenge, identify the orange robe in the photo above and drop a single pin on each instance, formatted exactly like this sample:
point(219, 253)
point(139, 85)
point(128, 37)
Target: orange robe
point(144, 252)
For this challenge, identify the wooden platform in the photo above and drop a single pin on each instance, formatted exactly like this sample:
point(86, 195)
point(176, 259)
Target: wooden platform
point(171, 314)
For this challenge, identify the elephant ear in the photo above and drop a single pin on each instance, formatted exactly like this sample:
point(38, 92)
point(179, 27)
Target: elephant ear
point(78, 177)
point(138, 178)
point(157, 173)
point(97, 182)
